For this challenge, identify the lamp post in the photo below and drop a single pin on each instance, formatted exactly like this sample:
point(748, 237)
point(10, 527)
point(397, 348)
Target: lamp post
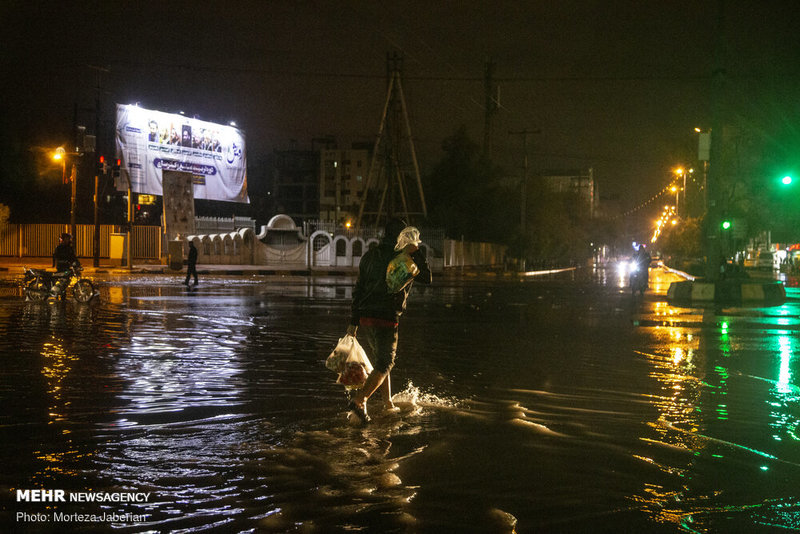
point(675, 189)
point(682, 173)
point(61, 155)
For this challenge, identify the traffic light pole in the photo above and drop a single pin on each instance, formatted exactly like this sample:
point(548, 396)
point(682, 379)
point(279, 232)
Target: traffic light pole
point(129, 229)
point(73, 178)
point(96, 258)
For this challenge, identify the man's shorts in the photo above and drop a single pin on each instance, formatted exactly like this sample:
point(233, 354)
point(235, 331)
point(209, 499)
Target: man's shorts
point(381, 340)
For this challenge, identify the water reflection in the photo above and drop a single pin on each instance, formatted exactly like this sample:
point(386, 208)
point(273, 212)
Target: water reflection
point(711, 379)
point(180, 387)
point(785, 394)
point(50, 342)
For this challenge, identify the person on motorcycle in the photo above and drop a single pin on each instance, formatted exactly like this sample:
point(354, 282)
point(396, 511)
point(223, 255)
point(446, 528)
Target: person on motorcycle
point(640, 274)
point(64, 254)
point(642, 258)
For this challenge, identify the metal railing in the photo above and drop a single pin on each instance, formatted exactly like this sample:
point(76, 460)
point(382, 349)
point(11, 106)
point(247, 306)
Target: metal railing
point(39, 240)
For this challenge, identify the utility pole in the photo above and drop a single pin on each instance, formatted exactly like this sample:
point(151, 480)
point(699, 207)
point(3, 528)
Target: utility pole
point(713, 180)
point(523, 200)
point(99, 150)
point(73, 177)
point(492, 104)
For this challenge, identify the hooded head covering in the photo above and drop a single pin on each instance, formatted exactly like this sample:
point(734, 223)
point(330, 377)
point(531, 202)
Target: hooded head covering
point(393, 229)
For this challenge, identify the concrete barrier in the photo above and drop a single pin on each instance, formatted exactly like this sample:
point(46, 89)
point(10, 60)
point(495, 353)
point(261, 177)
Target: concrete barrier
point(703, 291)
point(727, 292)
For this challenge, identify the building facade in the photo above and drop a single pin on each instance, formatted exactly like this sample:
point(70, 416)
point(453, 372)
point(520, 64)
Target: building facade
point(579, 183)
point(294, 183)
point(342, 179)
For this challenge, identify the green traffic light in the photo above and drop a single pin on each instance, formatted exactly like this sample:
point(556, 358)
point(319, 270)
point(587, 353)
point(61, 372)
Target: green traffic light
point(726, 225)
point(786, 180)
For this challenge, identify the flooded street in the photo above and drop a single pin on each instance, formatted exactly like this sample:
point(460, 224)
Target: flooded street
point(550, 405)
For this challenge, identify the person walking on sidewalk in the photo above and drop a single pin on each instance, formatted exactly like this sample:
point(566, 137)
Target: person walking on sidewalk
point(376, 312)
point(191, 264)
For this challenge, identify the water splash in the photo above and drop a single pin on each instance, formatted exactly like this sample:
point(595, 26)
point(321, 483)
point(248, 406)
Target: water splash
point(413, 395)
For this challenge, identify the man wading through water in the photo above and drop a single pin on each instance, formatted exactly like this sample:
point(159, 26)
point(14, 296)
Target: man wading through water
point(376, 310)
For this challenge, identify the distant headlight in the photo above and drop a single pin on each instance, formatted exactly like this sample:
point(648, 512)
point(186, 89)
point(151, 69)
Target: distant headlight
point(633, 267)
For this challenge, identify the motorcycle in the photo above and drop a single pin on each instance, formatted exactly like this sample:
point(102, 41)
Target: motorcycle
point(638, 278)
point(41, 284)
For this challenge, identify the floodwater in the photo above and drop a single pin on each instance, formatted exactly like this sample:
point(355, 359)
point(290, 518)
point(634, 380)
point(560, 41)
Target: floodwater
point(553, 405)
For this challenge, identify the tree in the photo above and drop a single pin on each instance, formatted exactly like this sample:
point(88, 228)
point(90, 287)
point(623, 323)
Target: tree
point(466, 195)
point(684, 240)
point(471, 197)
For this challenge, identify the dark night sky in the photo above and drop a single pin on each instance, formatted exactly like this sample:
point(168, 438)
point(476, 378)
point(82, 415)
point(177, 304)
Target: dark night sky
point(617, 85)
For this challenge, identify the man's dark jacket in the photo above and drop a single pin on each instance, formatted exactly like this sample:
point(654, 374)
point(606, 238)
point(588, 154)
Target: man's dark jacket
point(64, 257)
point(371, 297)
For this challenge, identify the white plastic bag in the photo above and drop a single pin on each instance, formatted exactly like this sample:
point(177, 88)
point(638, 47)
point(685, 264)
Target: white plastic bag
point(350, 361)
point(409, 236)
point(336, 359)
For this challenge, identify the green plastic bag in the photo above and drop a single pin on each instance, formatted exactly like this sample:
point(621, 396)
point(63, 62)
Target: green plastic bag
point(400, 272)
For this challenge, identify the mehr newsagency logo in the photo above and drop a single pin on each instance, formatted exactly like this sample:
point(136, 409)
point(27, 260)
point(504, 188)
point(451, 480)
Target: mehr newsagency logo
point(59, 495)
point(50, 496)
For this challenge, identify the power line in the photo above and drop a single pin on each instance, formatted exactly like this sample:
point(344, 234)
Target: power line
point(644, 204)
point(442, 78)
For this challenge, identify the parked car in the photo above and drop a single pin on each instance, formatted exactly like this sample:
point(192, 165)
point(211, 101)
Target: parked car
point(765, 260)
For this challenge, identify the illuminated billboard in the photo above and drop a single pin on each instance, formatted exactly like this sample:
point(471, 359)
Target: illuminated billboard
point(151, 142)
